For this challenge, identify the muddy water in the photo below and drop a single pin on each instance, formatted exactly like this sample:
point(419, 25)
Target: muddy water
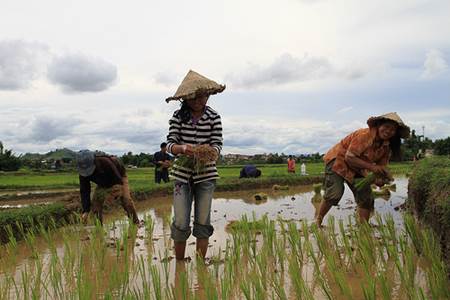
point(297, 203)
point(293, 204)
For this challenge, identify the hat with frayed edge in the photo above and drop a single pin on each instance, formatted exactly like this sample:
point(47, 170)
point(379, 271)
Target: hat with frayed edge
point(403, 130)
point(85, 162)
point(194, 85)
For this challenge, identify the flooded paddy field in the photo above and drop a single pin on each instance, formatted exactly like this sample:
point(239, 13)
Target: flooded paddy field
point(260, 249)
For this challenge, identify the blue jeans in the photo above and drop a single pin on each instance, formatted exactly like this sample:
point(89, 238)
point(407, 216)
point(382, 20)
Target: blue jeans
point(183, 196)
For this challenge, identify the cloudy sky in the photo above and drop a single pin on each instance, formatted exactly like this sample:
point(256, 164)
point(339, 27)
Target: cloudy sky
point(300, 74)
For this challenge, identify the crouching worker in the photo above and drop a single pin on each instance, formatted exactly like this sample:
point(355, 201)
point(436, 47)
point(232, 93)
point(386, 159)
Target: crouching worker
point(194, 127)
point(363, 151)
point(249, 171)
point(112, 183)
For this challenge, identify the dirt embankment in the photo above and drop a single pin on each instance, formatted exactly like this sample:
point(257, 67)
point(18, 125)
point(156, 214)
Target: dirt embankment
point(429, 198)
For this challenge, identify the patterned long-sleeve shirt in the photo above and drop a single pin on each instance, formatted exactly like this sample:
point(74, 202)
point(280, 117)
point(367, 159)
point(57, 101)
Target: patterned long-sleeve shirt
point(207, 130)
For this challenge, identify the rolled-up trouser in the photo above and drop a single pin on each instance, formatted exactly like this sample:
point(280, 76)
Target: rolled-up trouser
point(334, 190)
point(183, 196)
point(116, 192)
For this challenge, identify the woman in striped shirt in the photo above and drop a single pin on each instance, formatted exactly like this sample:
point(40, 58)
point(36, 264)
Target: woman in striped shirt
point(194, 124)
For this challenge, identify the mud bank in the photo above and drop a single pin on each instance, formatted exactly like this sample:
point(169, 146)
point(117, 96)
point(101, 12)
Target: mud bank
point(429, 198)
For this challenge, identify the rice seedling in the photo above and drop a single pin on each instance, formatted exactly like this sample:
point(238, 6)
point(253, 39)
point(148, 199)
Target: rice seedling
point(207, 281)
point(319, 275)
point(436, 273)
point(269, 233)
point(149, 225)
point(385, 286)
point(165, 264)
point(295, 242)
point(413, 232)
point(145, 280)
point(181, 289)
point(305, 231)
point(347, 247)
point(369, 289)
point(301, 289)
point(246, 289)
point(277, 286)
point(30, 240)
point(156, 282)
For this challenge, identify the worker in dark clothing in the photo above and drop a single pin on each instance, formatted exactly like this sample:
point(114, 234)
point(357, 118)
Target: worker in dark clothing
point(112, 183)
point(161, 159)
point(250, 171)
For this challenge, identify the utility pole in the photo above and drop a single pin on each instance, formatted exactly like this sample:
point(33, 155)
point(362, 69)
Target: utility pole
point(423, 132)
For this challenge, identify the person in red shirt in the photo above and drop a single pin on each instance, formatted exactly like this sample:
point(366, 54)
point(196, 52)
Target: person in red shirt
point(291, 164)
point(363, 151)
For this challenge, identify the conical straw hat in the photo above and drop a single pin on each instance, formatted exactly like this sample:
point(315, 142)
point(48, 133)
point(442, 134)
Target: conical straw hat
point(392, 116)
point(194, 84)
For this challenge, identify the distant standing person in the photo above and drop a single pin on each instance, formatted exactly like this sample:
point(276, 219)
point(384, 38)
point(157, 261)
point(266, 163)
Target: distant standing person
point(291, 164)
point(112, 183)
point(192, 125)
point(364, 150)
point(161, 159)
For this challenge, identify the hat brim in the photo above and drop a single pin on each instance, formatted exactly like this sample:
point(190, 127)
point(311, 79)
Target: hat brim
point(200, 91)
point(403, 130)
point(85, 172)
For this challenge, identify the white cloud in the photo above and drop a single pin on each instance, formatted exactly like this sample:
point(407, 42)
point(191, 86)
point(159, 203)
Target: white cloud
point(20, 63)
point(434, 64)
point(76, 73)
point(341, 49)
point(167, 79)
point(285, 69)
point(345, 109)
point(45, 129)
point(272, 134)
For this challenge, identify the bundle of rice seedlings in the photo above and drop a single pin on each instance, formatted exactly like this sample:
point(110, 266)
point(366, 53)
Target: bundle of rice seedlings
point(203, 154)
point(361, 183)
point(277, 187)
point(381, 192)
point(260, 196)
point(392, 187)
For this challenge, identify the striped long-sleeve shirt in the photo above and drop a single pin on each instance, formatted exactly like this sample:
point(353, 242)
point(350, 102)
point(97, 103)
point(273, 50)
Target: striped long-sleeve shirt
point(207, 130)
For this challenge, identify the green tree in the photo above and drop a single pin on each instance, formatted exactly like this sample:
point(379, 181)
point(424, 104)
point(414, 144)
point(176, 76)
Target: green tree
point(144, 163)
point(442, 146)
point(8, 161)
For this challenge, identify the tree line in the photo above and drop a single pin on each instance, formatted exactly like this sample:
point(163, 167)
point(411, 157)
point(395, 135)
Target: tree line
point(413, 148)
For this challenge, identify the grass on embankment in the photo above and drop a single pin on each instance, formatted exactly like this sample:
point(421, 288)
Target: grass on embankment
point(429, 197)
point(20, 222)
